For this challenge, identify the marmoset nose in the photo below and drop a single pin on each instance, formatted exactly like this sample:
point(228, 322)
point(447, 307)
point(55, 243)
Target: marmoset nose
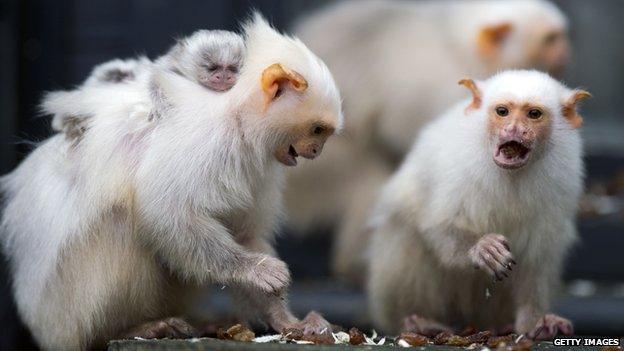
point(511, 129)
point(514, 130)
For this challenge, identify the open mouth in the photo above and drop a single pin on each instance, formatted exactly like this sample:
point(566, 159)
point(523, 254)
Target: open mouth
point(512, 154)
point(289, 157)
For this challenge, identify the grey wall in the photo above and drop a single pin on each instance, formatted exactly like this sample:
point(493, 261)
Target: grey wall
point(597, 32)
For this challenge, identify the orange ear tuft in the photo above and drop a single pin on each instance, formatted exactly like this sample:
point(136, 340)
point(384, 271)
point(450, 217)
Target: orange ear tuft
point(491, 37)
point(568, 108)
point(276, 74)
point(476, 93)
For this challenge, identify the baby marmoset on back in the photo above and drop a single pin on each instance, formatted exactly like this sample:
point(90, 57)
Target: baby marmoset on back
point(211, 58)
point(140, 211)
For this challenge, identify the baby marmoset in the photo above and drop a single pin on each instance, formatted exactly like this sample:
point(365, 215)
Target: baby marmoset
point(493, 182)
point(211, 58)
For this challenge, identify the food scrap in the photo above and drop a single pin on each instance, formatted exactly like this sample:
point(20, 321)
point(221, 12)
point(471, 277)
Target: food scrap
point(356, 337)
point(469, 338)
point(414, 339)
point(236, 332)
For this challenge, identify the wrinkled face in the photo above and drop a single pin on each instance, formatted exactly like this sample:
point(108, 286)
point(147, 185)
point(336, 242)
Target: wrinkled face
point(217, 60)
point(517, 128)
point(218, 74)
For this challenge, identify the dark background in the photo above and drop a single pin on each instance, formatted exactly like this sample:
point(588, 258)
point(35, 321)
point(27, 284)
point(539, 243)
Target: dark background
point(52, 44)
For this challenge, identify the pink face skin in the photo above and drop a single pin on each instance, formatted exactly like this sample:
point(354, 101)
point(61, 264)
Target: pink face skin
point(308, 144)
point(517, 128)
point(220, 78)
point(512, 151)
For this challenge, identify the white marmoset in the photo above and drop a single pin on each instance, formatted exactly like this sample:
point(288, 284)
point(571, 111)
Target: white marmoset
point(485, 201)
point(112, 232)
point(396, 63)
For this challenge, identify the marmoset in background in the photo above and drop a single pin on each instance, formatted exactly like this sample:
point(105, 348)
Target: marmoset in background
point(483, 205)
point(107, 236)
point(396, 63)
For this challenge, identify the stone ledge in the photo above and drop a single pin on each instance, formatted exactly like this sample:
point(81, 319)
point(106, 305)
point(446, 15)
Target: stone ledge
point(206, 344)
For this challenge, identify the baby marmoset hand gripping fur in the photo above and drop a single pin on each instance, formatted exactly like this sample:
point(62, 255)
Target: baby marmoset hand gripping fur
point(108, 233)
point(494, 182)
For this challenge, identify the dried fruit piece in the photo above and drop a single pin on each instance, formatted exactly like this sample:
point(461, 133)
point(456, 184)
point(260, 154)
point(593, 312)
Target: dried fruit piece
point(235, 329)
point(223, 335)
point(442, 338)
point(356, 337)
point(480, 337)
point(325, 338)
point(456, 340)
point(292, 334)
point(497, 341)
point(318, 338)
point(246, 336)
point(414, 339)
point(236, 332)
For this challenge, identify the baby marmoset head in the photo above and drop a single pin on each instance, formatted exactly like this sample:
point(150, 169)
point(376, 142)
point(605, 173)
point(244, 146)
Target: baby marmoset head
point(525, 112)
point(211, 58)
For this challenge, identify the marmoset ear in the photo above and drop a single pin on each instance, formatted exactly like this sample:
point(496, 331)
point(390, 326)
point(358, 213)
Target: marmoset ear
point(568, 108)
point(276, 78)
point(477, 96)
point(492, 37)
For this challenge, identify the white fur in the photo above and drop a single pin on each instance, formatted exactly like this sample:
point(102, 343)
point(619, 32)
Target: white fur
point(138, 69)
point(397, 64)
point(192, 53)
point(137, 66)
point(101, 234)
point(449, 187)
point(189, 57)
